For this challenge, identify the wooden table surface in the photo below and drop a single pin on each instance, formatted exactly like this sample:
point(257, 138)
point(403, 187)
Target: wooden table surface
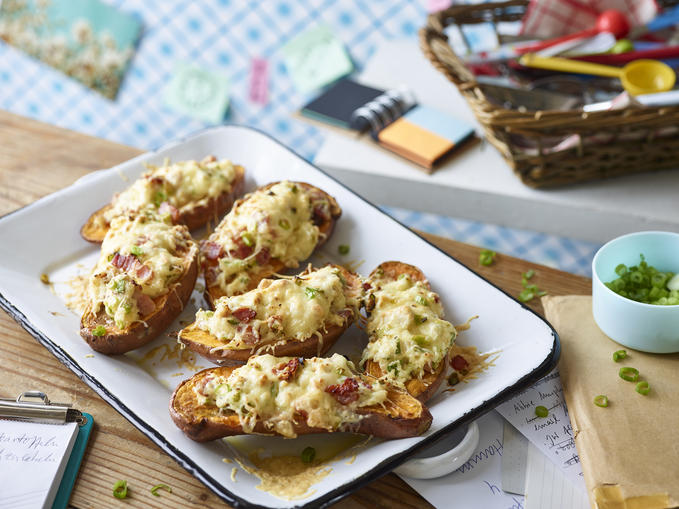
point(37, 159)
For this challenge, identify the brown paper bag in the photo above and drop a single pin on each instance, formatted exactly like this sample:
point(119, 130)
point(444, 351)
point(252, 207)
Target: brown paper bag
point(630, 449)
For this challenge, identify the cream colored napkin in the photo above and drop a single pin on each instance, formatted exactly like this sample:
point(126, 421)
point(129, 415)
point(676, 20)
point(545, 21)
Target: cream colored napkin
point(629, 450)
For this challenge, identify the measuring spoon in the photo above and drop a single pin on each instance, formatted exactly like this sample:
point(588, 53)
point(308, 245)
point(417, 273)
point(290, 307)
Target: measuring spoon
point(637, 77)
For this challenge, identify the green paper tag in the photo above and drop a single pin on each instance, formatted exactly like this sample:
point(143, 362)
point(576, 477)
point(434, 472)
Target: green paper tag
point(316, 58)
point(199, 93)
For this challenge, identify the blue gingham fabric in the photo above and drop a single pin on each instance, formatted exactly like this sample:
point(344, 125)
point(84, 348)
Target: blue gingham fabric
point(225, 35)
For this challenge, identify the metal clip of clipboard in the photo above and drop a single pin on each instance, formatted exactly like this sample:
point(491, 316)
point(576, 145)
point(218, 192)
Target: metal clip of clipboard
point(35, 406)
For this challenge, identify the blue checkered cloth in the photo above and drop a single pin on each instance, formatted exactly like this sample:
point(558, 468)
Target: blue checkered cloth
point(225, 35)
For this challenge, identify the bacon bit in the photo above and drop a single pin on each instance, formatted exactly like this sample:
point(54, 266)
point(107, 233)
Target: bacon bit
point(367, 286)
point(144, 273)
point(156, 180)
point(436, 299)
point(166, 208)
point(242, 251)
point(248, 335)
point(320, 214)
point(211, 250)
point(344, 393)
point(286, 370)
point(263, 256)
point(244, 314)
point(346, 313)
point(144, 303)
point(458, 363)
point(124, 262)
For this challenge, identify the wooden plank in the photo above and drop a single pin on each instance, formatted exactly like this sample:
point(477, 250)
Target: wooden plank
point(41, 159)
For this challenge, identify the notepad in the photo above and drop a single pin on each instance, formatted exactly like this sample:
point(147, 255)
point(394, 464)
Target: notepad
point(39, 462)
point(419, 133)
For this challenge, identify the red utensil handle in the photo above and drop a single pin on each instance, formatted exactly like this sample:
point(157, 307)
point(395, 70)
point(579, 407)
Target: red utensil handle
point(537, 46)
point(623, 58)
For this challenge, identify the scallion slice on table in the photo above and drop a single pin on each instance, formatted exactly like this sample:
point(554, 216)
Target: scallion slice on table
point(601, 400)
point(541, 411)
point(120, 489)
point(154, 490)
point(643, 388)
point(629, 374)
point(619, 355)
point(487, 257)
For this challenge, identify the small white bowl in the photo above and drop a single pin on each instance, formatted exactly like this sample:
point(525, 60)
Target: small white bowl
point(444, 456)
point(646, 327)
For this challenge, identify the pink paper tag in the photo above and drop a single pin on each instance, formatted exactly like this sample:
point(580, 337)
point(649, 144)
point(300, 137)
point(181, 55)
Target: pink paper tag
point(259, 81)
point(438, 5)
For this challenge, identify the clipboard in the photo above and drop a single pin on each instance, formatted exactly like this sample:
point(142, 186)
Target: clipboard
point(35, 407)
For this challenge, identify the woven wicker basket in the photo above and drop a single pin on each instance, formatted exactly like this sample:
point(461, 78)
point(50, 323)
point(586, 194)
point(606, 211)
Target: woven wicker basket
point(606, 143)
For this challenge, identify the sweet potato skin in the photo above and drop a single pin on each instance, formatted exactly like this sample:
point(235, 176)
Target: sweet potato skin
point(168, 307)
point(212, 289)
point(203, 342)
point(94, 230)
point(423, 389)
point(402, 416)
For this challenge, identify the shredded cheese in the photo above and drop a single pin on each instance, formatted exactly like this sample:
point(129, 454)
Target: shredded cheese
point(139, 256)
point(281, 310)
point(406, 329)
point(263, 390)
point(277, 222)
point(183, 185)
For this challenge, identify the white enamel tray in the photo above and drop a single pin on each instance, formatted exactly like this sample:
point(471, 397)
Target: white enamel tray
point(44, 238)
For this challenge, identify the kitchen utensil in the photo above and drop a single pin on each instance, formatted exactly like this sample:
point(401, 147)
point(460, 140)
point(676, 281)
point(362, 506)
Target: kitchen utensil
point(612, 21)
point(623, 58)
point(637, 77)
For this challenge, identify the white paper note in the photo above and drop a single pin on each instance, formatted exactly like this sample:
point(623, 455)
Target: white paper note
point(548, 488)
point(32, 461)
point(477, 483)
point(553, 434)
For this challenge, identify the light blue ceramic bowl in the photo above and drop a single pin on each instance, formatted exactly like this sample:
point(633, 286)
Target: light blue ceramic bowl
point(645, 327)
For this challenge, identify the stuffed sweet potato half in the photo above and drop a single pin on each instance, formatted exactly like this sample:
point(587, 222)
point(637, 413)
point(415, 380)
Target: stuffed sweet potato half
point(271, 229)
point(409, 340)
point(188, 192)
point(145, 274)
point(299, 316)
point(289, 396)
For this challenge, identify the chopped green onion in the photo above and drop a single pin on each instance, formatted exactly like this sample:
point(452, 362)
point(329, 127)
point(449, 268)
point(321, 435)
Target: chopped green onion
point(99, 330)
point(294, 189)
point(420, 319)
point(136, 251)
point(284, 223)
point(629, 374)
point(274, 389)
point(159, 198)
point(643, 388)
point(398, 346)
point(453, 379)
point(421, 300)
point(601, 400)
point(487, 257)
point(248, 239)
point(526, 295)
point(420, 340)
point(233, 321)
point(529, 274)
point(394, 367)
point(343, 249)
point(311, 292)
point(644, 283)
point(119, 285)
point(541, 411)
point(154, 490)
point(120, 489)
point(619, 355)
point(308, 454)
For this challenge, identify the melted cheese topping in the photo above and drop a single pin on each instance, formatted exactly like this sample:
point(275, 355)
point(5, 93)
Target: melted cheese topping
point(183, 185)
point(407, 332)
point(285, 310)
point(155, 253)
point(279, 220)
point(256, 393)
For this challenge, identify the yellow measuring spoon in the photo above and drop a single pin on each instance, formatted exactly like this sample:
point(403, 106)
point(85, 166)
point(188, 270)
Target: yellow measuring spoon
point(638, 77)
